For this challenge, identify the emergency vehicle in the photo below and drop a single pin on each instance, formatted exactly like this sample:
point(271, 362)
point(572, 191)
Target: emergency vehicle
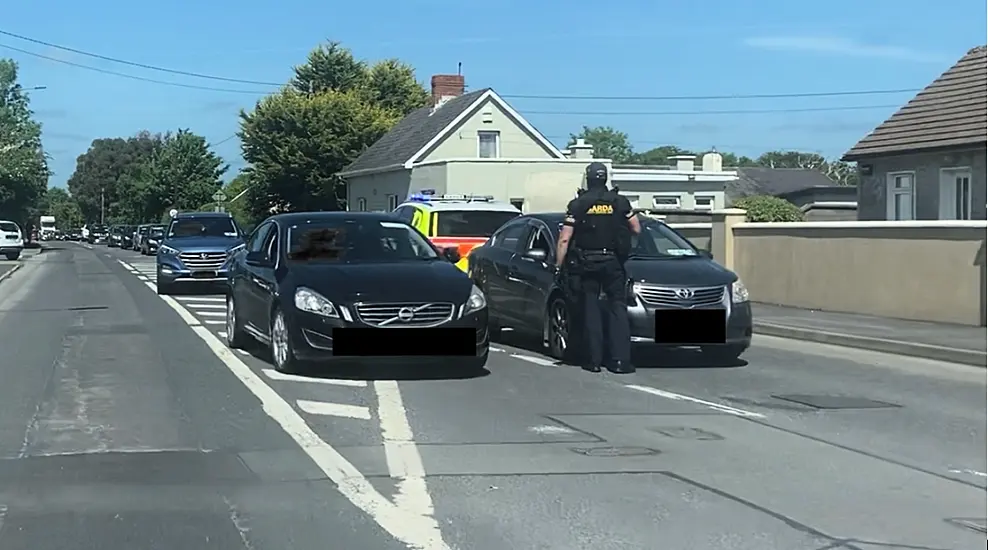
point(461, 221)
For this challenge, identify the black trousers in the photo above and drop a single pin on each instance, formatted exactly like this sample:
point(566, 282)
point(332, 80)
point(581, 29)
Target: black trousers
point(604, 274)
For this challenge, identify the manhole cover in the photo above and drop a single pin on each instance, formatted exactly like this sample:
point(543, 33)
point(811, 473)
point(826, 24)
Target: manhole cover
point(835, 401)
point(615, 451)
point(974, 524)
point(685, 432)
point(774, 405)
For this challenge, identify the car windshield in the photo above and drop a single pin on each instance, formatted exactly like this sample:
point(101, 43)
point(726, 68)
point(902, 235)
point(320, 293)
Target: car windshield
point(659, 240)
point(472, 223)
point(357, 241)
point(157, 231)
point(203, 227)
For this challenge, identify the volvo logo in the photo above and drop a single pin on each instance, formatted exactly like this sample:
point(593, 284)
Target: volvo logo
point(684, 293)
point(406, 314)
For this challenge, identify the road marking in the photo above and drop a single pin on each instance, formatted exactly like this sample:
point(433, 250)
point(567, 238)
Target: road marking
point(10, 272)
point(221, 334)
point(211, 322)
point(275, 375)
point(400, 451)
point(968, 472)
point(495, 348)
point(200, 299)
point(323, 408)
point(536, 360)
point(3, 516)
point(709, 404)
point(413, 527)
point(127, 266)
point(549, 430)
point(210, 305)
point(211, 313)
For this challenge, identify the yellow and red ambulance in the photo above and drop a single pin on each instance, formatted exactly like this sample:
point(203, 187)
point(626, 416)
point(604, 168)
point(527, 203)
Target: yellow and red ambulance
point(461, 221)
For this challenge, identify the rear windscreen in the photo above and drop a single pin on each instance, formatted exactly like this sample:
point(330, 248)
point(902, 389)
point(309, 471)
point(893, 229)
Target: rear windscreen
point(471, 223)
point(8, 226)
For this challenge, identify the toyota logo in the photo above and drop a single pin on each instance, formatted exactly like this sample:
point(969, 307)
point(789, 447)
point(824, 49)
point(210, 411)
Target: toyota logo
point(406, 314)
point(684, 293)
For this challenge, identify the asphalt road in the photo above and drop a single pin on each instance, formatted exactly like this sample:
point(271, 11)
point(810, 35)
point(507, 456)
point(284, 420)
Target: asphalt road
point(124, 423)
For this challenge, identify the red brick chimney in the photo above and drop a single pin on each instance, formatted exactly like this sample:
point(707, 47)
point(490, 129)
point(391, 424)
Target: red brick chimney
point(446, 87)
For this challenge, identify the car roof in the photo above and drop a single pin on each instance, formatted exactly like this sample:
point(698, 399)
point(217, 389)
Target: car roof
point(200, 215)
point(463, 206)
point(302, 217)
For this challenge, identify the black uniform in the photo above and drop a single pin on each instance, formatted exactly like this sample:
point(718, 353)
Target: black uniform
point(601, 238)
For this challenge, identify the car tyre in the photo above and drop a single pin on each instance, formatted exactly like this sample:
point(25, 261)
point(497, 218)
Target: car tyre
point(12, 255)
point(236, 337)
point(282, 353)
point(556, 329)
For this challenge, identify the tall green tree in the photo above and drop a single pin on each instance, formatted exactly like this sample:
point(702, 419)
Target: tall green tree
point(23, 163)
point(57, 202)
point(607, 142)
point(297, 140)
point(182, 173)
point(109, 178)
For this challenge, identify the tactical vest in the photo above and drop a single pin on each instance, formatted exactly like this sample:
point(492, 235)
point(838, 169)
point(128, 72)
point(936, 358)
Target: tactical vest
point(600, 226)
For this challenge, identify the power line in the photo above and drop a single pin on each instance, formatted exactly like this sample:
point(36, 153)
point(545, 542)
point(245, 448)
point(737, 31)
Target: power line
point(724, 112)
point(130, 76)
point(135, 64)
point(222, 141)
point(712, 97)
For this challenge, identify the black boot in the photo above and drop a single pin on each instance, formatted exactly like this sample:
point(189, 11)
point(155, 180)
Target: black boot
point(591, 368)
point(620, 367)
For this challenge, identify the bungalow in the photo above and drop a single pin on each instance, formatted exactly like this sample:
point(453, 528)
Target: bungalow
point(927, 161)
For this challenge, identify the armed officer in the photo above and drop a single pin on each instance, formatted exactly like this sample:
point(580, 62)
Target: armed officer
point(599, 223)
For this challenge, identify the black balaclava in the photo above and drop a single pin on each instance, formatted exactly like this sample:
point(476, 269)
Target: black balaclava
point(596, 175)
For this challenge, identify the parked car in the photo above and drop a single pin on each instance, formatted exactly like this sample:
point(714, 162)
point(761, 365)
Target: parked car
point(11, 240)
point(196, 250)
point(126, 237)
point(151, 241)
point(675, 288)
point(345, 285)
point(139, 233)
point(98, 234)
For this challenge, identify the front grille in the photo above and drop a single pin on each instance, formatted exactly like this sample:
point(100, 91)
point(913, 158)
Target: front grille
point(387, 315)
point(710, 296)
point(203, 261)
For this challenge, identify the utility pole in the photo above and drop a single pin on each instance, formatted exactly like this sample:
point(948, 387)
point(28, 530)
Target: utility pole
point(102, 207)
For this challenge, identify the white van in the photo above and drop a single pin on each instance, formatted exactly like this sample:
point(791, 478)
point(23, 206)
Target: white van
point(11, 240)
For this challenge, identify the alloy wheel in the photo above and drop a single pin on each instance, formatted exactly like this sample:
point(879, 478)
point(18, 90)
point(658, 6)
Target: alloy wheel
point(231, 319)
point(279, 341)
point(558, 329)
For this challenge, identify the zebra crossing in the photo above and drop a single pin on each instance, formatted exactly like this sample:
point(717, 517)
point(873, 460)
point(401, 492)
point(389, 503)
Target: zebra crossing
point(210, 309)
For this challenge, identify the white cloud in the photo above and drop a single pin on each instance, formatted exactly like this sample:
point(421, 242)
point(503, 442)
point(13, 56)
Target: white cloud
point(841, 46)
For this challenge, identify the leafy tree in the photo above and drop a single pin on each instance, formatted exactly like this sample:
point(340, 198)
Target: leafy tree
point(607, 142)
point(111, 174)
point(57, 202)
point(182, 173)
point(298, 139)
point(23, 163)
point(763, 208)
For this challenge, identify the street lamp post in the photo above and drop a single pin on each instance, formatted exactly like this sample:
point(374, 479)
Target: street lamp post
point(102, 207)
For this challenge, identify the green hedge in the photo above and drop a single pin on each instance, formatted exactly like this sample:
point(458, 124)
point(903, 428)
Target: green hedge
point(769, 209)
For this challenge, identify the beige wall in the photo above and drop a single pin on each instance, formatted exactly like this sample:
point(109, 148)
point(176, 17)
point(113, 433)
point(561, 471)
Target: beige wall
point(463, 143)
point(376, 188)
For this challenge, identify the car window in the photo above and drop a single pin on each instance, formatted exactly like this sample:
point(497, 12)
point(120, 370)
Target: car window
point(472, 223)
point(658, 239)
point(9, 226)
point(507, 238)
point(404, 213)
point(255, 243)
point(271, 242)
point(539, 241)
point(357, 241)
point(203, 227)
point(142, 230)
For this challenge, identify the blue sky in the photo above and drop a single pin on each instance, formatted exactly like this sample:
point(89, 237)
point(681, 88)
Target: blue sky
point(576, 47)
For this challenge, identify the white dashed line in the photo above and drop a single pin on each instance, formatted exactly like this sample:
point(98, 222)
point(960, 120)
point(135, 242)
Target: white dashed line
point(536, 360)
point(211, 313)
point(550, 430)
point(709, 404)
point(322, 408)
point(400, 451)
point(275, 375)
point(211, 322)
point(210, 305)
point(968, 472)
point(200, 299)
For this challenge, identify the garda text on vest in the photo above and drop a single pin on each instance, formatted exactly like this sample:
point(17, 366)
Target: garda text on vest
point(600, 209)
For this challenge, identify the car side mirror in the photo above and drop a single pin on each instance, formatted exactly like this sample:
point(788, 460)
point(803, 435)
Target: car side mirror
point(537, 254)
point(257, 259)
point(452, 254)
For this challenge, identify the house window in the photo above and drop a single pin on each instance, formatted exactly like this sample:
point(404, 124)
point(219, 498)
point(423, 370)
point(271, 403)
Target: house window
point(361, 204)
point(392, 202)
point(703, 202)
point(899, 196)
point(666, 201)
point(488, 144)
point(955, 194)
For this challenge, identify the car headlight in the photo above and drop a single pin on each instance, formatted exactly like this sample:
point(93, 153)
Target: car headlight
point(153, 241)
point(234, 250)
point(739, 292)
point(163, 249)
point(311, 301)
point(476, 301)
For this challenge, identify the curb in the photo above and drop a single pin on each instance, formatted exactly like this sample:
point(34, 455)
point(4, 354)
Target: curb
point(926, 351)
point(9, 272)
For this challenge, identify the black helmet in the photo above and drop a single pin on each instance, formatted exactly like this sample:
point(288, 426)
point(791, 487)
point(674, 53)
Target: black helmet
point(596, 174)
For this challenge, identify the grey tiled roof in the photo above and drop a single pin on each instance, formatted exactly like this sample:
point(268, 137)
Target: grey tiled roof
point(948, 112)
point(775, 181)
point(412, 133)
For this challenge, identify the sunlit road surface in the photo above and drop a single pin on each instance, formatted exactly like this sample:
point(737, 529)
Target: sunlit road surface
point(125, 423)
